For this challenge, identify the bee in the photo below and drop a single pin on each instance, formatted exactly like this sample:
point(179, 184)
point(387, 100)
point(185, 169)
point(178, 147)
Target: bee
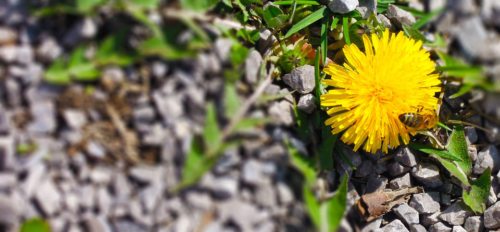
point(420, 119)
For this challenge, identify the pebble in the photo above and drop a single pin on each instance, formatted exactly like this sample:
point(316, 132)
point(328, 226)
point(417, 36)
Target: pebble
point(376, 183)
point(342, 6)
point(474, 40)
point(427, 174)
point(406, 157)
point(8, 54)
point(424, 203)
point(417, 228)
point(95, 150)
point(7, 180)
point(282, 112)
point(253, 66)
point(407, 214)
point(222, 48)
point(399, 15)
point(49, 49)
point(75, 119)
point(7, 36)
point(474, 224)
point(400, 182)
point(396, 169)
point(372, 226)
point(301, 79)
point(458, 229)
point(366, 168)
point(487, 158)
point(394, 226)
point(7, 149)
point(439, 227)
point(44, 118)
point(307, 103)
point(48, 197)
point(147, 174)
point(455, 214)
point(471, 134)
point(491, 217)
point(8, 214)
point(285, 194)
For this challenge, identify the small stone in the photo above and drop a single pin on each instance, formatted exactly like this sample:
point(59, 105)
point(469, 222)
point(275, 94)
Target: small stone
point(396, 169)
point(285, 194)
point(96, 150)
point(281, 112)
point(307, 103)
point(429, 219)
point(384, 20)
point(144, 114)
point(265, 196)
point(417, 228)
point(376, 183)
point(8, 53)
point(159, 69)
point(407, 214)
point(301, 79)
point(253, 66)
point(7, 155)
point(366, 168)
point(100, 175)
point(492, 198)
point(367, 7)
point(428, 174)
point(439, 227)
point(406, 157)
point(400, 182)
point(474, 40)
point(487, 158)
point(458, 229)
point(7, 180)
point(455, 214)
point(253, 173)
point(399, 15)
point(44, 114)
point(9, 213)
point(7, 36)
point(75, 119)
point(372, 226)
point(342, 6)
point(103, 200)
point(473, 224)
point(98, 224)
point(394, 226)
point(84, 29)
point(246, 215)
point(492, 216)
point(48, 50)
point(221, 187)
point(48, 198)
point(199, 200)
point(471, 134)
point(222, 48)
point(128, 225)
point(147, 174)
point(424, 203)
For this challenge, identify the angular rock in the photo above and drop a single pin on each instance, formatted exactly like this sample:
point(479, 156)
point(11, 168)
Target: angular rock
point(95, 149)
point(222, 49)
point(394, 226)
point(474, 224)
point(487, 158)
point(253, 66)
point(407, 214)
point(492, 216)
point(282, 112)
point(375, 183)
point(400, 182)
point(406, 157)
point(98, 224)
point(427, 174)
point(285, 194)
point(301, 79)
point(458, 229)
point(384, 20)
point(49, 49)
point(307, 103)
point(7, 36)
point(48, 198)
point(253, 173)
point(44, 118)
point(9, 213)
point(428, 220)
point(7, 155)
point(366, 168)
point(424, 203)
point(75, 119)
point(455, 214)
point(400, 16)
point(417, 228)
point(471, 134)
point(474, 40)
point(342, 6)
point(396, 169)
point(439, 227)
point(372, 226)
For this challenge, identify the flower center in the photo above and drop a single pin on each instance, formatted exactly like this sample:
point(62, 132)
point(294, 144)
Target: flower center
point(381, 94)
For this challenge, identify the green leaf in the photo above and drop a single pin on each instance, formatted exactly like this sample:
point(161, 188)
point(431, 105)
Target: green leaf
point(231, 100)
point(465, 88)
point(303, 164)
point(454, 169)
point(336, 206)
point(413, 33)
point(345, 29)
point(310, 19)
point(274, 17)
point(326, 149)
point(324, 40)
point(84, 72)
point(382, 5)
point(427, 18)
point(198, 5)
point(86, 6)
point(211, 131)
point(35, 225)
point(479, 192)
point(157, 46)
point(111, 52)
point(238, 54)
point(57, 74)
point(457, 146)
point(195, 165)
point(432, 151)
point(249, 123)
point(312, 206)
point(146, 4)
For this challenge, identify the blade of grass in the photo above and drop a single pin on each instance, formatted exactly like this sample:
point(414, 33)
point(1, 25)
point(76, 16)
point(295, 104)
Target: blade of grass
point(324, 40)
point(335, 22)
point(317, 73)
point(310, 19)
point(427, 18)
point(345, 26)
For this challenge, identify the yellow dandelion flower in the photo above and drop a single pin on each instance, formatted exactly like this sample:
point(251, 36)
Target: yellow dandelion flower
point(394, 75)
